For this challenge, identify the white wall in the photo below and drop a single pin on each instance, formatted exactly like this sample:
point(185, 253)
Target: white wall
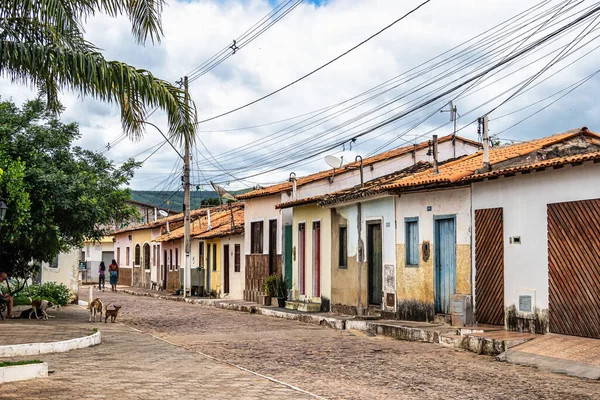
point(263, 209)
point(237, 282)
point(524, 199)
point(67, 272)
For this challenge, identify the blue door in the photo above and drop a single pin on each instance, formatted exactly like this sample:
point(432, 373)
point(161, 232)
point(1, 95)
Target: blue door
point(445, 262)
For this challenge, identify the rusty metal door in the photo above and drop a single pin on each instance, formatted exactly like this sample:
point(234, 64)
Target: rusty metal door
point(574, 268)
point(316, 261)
point(375, 263)
point(226, 268)
point(272, 247)
point(489, 266)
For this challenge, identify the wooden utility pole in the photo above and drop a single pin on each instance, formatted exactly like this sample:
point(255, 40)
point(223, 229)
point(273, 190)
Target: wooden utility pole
point(186, 204)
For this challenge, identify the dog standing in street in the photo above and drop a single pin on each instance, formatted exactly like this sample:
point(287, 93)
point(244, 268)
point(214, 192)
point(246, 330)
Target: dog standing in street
point(111, 313)
point(96, 307)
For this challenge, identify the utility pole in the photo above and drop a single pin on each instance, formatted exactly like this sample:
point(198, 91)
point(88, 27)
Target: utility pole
point(486, 144)
point(453, 113)
point(186, 204)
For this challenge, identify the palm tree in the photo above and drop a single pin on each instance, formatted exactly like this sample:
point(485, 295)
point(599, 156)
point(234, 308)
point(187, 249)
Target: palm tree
point(42, 43)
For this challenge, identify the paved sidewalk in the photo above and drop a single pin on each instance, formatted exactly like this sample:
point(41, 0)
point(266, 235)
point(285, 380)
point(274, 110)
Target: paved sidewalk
point(131, 365)
point(57, 328)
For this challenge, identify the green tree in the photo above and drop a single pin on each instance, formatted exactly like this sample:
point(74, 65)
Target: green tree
point(57, 194)
point(42, 43)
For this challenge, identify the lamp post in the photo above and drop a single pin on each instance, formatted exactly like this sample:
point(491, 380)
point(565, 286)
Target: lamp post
point(3, 208)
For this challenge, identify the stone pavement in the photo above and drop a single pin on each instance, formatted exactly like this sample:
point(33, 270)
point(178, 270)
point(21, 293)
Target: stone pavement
point(57, 328)
point(342, 364)
point(132, 365)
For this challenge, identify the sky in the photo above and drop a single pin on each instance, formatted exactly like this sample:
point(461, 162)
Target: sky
point(312, 34)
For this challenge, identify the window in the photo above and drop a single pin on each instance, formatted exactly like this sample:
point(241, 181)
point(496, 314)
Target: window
point(127, 256)
point(343, 247)
point(201, 254)
point(171, 260)
point(164, 261)
point(137, 254)
point(412, 241)
point(215, 257)
point(256, 238)
point(208, 255)
point(54, 263)
point(154, 252)
point(176, 259)
point(118, 255)
point(237, 259)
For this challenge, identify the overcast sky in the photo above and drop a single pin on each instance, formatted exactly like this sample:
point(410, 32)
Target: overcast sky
point(312, 34)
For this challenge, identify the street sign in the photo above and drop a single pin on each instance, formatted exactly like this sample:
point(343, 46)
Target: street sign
point(82, 265)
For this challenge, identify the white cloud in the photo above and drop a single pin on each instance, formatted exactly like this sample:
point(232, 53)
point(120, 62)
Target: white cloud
point(303, 40)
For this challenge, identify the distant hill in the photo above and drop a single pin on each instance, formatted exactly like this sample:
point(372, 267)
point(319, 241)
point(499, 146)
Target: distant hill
point(174, 200)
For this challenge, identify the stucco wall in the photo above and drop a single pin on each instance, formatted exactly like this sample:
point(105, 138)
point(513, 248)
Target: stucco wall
point(417, 284)
point(309, 214)
point(524, 199)
point(263, 209)
point(236, 279)
point(67, 271)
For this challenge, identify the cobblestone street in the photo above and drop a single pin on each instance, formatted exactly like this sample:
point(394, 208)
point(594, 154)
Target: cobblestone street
point(329, 363)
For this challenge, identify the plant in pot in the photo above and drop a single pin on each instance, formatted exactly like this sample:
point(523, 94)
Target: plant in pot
point(269, 289)
point(282, 291)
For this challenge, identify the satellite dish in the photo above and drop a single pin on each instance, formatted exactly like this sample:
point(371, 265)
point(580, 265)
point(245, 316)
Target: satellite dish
point(222, 192)
point(334, 162)
point(163, 213)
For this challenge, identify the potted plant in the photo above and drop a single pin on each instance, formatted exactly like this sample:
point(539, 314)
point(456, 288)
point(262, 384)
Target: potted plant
point(282, 291)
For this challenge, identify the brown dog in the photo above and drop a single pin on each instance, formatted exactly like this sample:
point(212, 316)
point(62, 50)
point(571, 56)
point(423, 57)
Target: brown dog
point(111, 313)
point(41, 306)
point(96, 307)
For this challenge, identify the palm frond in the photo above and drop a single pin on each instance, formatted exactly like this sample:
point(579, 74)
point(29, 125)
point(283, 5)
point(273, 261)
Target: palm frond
point(88, 72)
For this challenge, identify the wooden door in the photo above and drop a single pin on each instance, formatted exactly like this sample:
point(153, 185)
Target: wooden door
point(316, 259)
point(489, 266)
point(146, 256)
point(288, 255)
point(574, 268)
point(272, 247)
point(208, 268)
point(164, 270)
point(302, 258)
point(226, 268)
point(375, 263)
point(445, 262)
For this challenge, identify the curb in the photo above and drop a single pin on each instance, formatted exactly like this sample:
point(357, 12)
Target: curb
point(32, 349)
point(449, 338)
point(23, 372)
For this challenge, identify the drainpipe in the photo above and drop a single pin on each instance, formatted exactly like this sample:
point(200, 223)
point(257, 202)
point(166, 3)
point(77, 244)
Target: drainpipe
point(155, 214)
point(486, 145)
point(362, 179)
point(435, 154)
point(293, 180)
point(168, 230)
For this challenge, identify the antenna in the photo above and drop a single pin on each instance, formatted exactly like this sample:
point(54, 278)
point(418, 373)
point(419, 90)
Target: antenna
point(334, 163)
point(223, 194)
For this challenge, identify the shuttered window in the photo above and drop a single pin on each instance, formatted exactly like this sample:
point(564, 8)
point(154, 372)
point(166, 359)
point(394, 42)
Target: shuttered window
point(237, 258)
point(176, 259)
point(343, 247)
point(214, 265)
point(412, 241)
point(256, 239)
point(201, 254)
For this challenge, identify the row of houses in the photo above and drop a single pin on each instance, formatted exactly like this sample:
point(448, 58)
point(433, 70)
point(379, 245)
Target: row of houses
point(512, 232)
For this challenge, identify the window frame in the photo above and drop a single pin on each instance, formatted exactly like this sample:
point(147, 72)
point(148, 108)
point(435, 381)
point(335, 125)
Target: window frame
point(127, 256)
point(54, 263)
point(170, 259)
point(343, 247)
point(257, 248)
point(214, 264)
point(237, 257)
point(201, 254)
point(176, 259)
point(137, 255)
point(408, 221)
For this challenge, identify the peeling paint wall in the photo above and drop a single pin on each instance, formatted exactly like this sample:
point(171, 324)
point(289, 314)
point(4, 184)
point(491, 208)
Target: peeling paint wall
point(309, 214)
point(415, 285)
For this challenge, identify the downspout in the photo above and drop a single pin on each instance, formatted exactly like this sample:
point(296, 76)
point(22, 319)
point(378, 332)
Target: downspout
point(362, 179)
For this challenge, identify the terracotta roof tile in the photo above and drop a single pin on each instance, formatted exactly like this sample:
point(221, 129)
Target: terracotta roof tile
point(281, 187)
point(470, 167)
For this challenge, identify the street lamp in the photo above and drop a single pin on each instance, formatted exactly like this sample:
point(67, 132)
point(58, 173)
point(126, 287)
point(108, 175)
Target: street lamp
point(3, 208)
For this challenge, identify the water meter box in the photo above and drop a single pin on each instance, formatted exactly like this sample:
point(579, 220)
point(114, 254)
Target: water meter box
point(462, 310)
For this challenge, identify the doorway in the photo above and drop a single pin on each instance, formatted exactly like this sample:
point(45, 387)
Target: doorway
point(374, 262)
point(226, 269)
point(272, 246)
point(164, 271)
point(316, 262)
point(288, 255)
point(445, 262)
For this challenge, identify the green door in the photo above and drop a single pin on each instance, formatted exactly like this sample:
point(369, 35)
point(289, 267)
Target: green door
point(288, 255)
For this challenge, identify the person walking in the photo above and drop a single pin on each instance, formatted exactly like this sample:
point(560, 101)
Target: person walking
point(102, 276)
point(113, 270)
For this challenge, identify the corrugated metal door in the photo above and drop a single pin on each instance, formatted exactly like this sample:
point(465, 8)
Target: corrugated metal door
point(489, 266)
point(445, 262)
point(375, 261)
point(574, 268)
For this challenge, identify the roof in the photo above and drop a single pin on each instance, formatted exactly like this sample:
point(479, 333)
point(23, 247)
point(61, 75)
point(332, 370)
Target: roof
point(284, 186)
point(141, 203)
point(220, 221)
point(565, 148)
point(163, 221)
